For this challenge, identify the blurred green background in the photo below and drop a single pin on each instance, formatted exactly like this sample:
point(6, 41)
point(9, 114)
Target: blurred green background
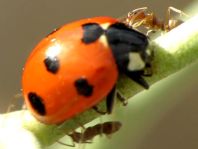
point(166, 118)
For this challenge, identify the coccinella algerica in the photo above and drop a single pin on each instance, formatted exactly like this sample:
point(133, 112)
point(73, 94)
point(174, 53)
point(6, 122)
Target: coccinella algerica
point(77, 65)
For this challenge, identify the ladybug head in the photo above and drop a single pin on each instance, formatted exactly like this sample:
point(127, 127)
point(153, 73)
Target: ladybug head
point(130, 50)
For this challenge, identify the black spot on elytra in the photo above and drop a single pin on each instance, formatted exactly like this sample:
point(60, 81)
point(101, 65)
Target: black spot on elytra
point(83, 87)
point(92, 31)
point(37, 103)
point(52, 64)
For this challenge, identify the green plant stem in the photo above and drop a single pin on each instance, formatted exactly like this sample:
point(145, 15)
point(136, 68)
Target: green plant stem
point(173, 51)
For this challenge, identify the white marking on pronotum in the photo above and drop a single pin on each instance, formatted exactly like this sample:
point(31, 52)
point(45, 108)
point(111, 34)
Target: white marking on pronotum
point(105, 26)
point(103, 38)
point(135, 62)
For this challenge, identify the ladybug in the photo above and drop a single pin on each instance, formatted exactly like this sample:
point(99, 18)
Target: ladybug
point(76, 66)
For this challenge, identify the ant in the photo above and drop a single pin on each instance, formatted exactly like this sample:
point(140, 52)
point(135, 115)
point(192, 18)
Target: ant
point(143, 17)
point(106, 128)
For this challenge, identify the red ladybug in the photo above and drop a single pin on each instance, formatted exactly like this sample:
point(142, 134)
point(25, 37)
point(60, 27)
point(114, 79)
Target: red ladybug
point(76, 66)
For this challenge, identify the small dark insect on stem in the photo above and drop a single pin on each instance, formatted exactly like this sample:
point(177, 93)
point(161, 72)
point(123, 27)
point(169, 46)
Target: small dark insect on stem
point(89, 133)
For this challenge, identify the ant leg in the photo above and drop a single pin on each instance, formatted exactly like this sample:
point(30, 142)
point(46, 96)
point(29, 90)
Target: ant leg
point(172, 22)
point(136, 13)
point(136, 17)
point(10, 107)
point(143, 17)
point(139, 9)
point(175, 10)
point(150, 32)
point(13, 103)
point(70, 145)
point(75, 136)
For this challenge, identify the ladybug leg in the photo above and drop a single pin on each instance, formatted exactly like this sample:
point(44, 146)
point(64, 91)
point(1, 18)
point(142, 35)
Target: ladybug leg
point(121, 98)
point(95, 108)
point(136, 76)
point(109, 102)
point(148, 72)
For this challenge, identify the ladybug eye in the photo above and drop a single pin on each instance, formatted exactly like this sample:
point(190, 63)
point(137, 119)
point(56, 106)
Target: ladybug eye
point(83, 87)
point(37, 103)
